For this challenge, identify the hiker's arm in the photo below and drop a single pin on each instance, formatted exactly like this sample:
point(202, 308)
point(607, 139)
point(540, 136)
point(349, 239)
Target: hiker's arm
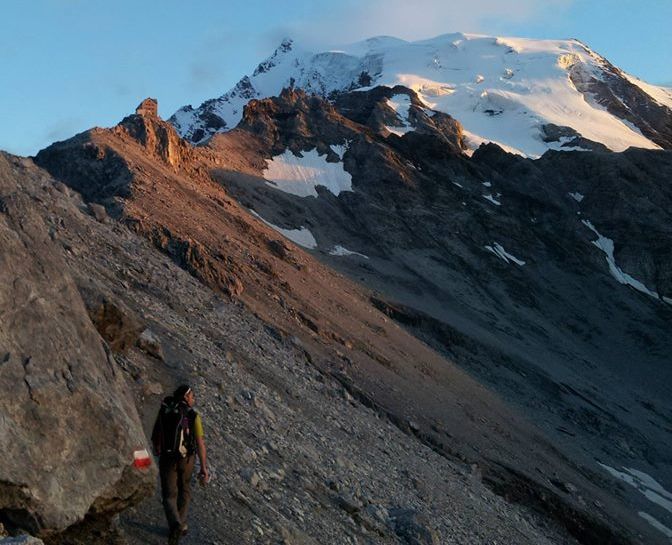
point(202, 457)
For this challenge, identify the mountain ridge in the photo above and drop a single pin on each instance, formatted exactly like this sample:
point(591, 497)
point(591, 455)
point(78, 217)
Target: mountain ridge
point(503, 90)
point(506, 313)
point(238, 255)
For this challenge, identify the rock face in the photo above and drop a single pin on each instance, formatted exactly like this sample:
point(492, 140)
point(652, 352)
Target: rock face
point(613, 90)
point(100, 172)
point(155, 135)
point(148, 107)
point(68, 428)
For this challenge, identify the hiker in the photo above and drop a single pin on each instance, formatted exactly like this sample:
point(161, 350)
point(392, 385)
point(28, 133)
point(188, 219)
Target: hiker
point(177, 436)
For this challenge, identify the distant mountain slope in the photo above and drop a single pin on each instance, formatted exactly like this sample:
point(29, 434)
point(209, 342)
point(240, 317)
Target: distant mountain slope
point(503, 90)
point(547, 279)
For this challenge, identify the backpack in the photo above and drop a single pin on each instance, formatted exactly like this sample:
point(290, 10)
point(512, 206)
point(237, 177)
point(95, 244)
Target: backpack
point(173, 433)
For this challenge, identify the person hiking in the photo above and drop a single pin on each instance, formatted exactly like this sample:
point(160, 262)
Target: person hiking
point(176, 437)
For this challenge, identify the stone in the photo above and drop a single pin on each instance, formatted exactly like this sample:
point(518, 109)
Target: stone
point(349, 503)
point(251, 476)
point(280, 248)
point(152, 388)
point(149, 343)
point(57, 386)
point(293, 536)
point(98, 211)
point(115, 322)
point(412, 527)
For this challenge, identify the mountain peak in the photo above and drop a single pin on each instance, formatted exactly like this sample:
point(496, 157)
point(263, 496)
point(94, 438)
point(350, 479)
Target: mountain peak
point(286, 45)
point(502, 89)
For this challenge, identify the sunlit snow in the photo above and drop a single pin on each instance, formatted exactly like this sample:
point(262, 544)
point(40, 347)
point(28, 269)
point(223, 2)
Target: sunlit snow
point(502, 90)
point(501, 253)
point(401, 104)
point(662, 95)
point(301, 175)
point(302, 237)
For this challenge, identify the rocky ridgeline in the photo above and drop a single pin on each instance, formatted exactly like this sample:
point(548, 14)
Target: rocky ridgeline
point(326, 421)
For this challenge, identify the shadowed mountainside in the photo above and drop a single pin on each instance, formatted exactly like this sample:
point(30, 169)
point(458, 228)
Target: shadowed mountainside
point(409, 214)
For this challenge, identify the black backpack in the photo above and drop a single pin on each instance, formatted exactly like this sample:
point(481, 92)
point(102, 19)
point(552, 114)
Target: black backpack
point(173, 433)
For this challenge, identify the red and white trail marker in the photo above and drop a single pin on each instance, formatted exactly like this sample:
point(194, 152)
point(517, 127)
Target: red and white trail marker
point(142, 459)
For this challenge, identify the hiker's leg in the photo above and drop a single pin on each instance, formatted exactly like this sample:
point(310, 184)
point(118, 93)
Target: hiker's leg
point(169, 489)
point(186, 466)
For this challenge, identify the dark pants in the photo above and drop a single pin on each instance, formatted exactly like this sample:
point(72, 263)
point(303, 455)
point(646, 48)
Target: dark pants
point(175, 476)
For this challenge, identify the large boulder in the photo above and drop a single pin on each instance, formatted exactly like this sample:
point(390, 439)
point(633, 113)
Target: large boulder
point(68, 427)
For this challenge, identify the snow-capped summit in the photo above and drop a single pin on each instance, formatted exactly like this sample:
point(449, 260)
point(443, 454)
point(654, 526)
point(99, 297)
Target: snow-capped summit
point(526, 95)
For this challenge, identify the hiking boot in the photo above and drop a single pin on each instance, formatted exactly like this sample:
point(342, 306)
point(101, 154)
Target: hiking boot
point(184, 529)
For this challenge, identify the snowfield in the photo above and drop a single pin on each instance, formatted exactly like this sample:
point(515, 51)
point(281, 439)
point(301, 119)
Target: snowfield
point(400, 104)
point(301, 175)
point(503, 90)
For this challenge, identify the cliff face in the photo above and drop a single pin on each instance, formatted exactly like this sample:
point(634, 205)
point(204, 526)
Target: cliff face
point(68, 427)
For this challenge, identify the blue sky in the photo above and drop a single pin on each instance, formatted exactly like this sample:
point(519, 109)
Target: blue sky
point(68, 65)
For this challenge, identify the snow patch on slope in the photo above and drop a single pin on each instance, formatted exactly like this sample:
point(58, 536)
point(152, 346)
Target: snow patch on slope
point(301, 175)
point(662, 95)
point(656, 524)
point(401, 104)
point(502, 254)
point(650, 488)
point(492, 199)
point(302, 237)
point(607, 246)
point(341, 251)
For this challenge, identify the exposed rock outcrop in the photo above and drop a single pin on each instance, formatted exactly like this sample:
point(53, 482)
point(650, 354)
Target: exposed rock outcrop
point(117, 324)
point(68, 428)
point(158, 137)
point(569, 138)
point(612, 90)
